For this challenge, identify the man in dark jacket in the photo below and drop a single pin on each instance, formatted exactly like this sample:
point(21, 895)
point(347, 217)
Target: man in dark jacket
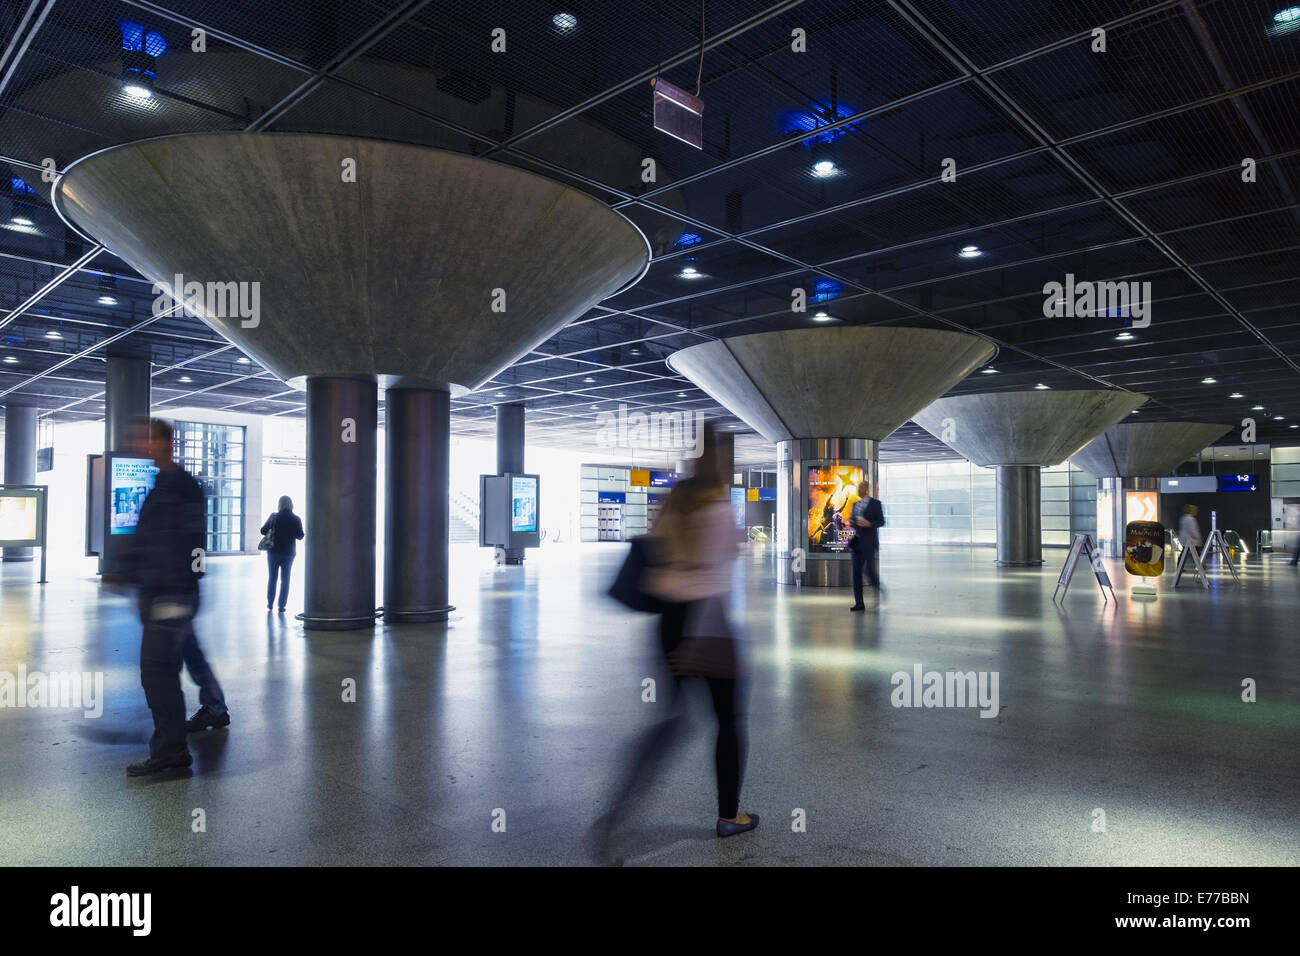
point(867, 516)
point(166, 564)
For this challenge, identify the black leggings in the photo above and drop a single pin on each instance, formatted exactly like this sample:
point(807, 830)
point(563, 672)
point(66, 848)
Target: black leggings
point(727, 756)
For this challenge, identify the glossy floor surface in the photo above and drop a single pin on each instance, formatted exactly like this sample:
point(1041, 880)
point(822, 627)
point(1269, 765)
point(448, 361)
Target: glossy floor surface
point(523, 706)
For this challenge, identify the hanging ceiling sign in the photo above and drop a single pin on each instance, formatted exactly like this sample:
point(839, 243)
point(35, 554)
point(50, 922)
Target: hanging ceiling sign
point(678, 114)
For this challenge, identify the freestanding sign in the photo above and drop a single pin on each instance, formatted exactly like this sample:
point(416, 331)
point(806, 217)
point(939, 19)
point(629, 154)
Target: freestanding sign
point(1081, 546)
point(23, 518)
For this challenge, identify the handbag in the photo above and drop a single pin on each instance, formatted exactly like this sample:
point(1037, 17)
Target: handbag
point(627, 586)
point(268, 539)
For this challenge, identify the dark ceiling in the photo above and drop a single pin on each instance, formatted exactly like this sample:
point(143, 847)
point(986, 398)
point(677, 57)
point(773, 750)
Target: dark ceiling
point(1123, 164)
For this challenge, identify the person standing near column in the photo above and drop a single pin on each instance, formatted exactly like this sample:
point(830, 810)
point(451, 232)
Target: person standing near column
point(166, 564)
point(866, 518)
point(285, 529)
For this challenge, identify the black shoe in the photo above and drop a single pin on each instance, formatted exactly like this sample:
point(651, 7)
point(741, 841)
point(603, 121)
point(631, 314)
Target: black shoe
point(858, 607)
point(158, 764)
point(268, 607)
point(204, 718)
point(726, 828)
point(281, 608)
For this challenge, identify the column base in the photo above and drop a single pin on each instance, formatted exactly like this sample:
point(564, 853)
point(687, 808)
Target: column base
point(417, 615)
point(337, 623)
point(1018, 564)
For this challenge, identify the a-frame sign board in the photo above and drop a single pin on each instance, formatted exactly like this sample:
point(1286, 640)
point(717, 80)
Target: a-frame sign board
point(1215, 542)
point(1190, 553)
point(1082, 546)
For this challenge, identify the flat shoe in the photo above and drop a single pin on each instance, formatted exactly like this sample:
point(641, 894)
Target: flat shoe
point(726, 828)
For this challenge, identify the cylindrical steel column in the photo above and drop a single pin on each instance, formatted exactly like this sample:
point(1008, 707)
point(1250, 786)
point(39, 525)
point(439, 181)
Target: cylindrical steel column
point(126, 397)
point(510, 454)
point(1019, 515)
point(726, 452)
point(417, 441)
point(821, 567)
point(20, 458)
point(342, 427)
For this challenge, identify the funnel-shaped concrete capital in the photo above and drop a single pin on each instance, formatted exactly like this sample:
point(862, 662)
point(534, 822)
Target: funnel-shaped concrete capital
point(1035, 427)
point(850, 382)
point(1145, 449)
point(366, 258)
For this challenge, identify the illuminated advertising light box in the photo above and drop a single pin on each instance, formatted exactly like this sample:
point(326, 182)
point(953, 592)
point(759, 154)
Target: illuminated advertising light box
point(832, 490)
point(523, 503)
point(1105, 517)
point(738, 506)
point(20, 514)
point(130, 481)
point(1141, 506)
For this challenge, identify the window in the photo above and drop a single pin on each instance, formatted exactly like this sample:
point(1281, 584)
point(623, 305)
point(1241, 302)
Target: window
point(214, 455)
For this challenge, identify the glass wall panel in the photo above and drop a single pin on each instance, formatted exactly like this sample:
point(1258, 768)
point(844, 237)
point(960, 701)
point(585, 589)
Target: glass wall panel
point(214, 455)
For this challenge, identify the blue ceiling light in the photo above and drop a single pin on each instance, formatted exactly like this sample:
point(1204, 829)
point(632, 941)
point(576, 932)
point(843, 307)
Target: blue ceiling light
point(1289, 15)
point(826, 289)
point(688, 239)
point(808, 121)
point(140, 50)
point(19, 185)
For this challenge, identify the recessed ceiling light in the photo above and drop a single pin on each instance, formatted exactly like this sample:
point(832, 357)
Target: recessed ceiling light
point(822, 317)
point(970, 252)
point(1257, 408)
point(243, 360)
point(681, 394)
point(1279, 418)
point(690, 272)
point(106, 300)
point(1125, 336)
point(186, 378)
point(1135, 411)
point(137, 90)
point(564, 22)
point(21, 221)
point(1208, 380)
point(1293, 426)
point(595, 406)
point(1287, 15)
point(10, 360)
point(501, 395)
point(589, 380)
point(988, 371)
point(52, 334)
point(1236, 395)
point(824, 168)
point(1041, 387)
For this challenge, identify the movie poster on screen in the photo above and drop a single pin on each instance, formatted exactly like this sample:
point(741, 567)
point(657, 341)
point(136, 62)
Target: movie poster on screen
point(832, 490)
point(130, 483)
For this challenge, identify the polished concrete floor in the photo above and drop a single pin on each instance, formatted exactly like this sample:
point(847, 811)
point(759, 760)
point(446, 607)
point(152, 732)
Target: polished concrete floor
point(526, 701)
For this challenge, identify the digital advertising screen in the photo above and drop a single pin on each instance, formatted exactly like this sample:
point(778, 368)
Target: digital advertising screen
point(832, 490)
point(130, 481)
point(19, 518)
point(523, 503)
point(738, 507)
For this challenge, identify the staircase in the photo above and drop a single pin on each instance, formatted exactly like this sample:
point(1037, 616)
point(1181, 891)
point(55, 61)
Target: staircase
point(460, 531)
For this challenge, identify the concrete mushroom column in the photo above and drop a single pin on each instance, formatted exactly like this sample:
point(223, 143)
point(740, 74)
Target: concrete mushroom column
point(423, 270)
point(827, 397)
point(1018, 433)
